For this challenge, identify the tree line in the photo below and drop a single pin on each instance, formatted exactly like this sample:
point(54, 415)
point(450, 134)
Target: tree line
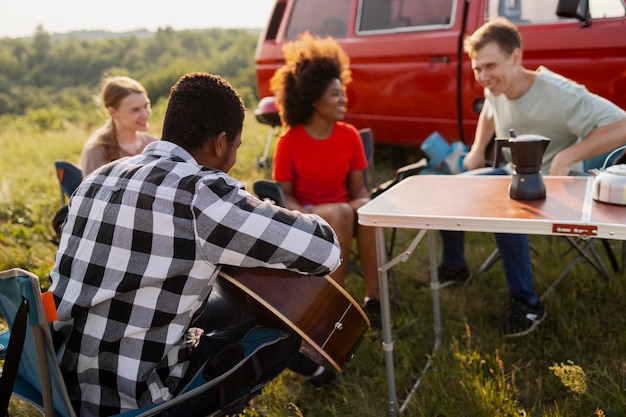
point(55, 78)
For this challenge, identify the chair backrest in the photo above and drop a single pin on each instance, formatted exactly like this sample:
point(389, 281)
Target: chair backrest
point(403, 172)
point(271, 191)
point(369, 174)
point(69, 176)
point(39, 377)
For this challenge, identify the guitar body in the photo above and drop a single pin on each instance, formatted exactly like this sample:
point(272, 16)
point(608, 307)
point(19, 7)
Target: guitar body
point(329, 321)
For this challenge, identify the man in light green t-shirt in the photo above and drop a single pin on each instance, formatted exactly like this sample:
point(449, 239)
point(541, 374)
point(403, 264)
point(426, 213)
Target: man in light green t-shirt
point(579, 124)
point(560, 109)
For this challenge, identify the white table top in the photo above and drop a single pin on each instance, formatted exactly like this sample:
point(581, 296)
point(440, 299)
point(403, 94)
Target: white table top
point(482, 203)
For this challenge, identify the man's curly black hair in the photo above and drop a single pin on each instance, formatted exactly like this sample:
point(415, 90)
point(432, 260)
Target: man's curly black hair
point(311, 63)
point(201, 106)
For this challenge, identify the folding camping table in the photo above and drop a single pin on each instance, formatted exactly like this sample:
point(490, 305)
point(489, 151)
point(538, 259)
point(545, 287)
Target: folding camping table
point(480, 204)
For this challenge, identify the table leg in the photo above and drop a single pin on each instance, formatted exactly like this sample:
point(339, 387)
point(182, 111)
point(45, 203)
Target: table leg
point(434, 285)
point(383, 282)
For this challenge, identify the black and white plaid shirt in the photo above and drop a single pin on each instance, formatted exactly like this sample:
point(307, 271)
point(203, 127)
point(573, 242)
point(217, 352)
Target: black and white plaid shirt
point(138, 258)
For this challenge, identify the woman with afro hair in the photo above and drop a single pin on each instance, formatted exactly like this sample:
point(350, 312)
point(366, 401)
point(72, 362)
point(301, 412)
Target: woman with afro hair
point(319, 159)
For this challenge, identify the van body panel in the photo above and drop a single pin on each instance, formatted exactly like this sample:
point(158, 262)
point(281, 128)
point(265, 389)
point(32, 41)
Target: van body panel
point(408, 82)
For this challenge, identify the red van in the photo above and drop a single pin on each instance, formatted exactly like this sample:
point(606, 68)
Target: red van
point(410, 75)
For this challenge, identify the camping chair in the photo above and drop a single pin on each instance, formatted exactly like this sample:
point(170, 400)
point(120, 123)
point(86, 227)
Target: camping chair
point(367, 138)
point(31, 371)
point(69, 176)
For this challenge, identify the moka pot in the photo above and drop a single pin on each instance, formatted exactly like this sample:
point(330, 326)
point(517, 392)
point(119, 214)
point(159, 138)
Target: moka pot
point(527, 155)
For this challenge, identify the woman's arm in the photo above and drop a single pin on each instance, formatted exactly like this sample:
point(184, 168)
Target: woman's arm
point(292, 202)
point(356, 185)
point(359, 194)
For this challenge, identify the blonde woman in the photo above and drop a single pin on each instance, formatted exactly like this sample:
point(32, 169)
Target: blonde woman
point(124, 134)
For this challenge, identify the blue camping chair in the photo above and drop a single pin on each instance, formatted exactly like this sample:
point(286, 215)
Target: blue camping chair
point(69, 176)
point(37, 377)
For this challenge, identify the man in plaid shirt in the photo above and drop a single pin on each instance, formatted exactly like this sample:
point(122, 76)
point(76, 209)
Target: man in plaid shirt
point(143, 244)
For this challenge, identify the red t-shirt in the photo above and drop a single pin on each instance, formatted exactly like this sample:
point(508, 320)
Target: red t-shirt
point(319, 168)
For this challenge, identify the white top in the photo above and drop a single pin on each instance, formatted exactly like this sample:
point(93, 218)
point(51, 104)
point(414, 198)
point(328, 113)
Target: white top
point(555, 107)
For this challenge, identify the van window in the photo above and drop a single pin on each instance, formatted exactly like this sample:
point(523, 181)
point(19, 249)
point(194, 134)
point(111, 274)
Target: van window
point(543, 11)
point(602, 9)
point(403, 15)
point(319, 17)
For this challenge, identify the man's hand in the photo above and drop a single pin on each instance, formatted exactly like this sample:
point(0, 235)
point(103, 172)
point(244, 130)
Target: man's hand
point(560, 166)
point(474, 160)
point(192, 337)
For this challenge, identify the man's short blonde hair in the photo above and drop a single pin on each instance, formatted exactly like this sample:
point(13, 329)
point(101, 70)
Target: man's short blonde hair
point(500, 31)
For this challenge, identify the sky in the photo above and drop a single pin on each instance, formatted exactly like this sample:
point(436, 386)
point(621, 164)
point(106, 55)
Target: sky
point(21, 17)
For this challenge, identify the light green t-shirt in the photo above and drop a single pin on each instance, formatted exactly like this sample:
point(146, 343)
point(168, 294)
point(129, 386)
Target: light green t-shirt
point(554, 107)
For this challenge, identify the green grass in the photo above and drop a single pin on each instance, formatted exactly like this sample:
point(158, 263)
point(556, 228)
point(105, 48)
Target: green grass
point(572, 365)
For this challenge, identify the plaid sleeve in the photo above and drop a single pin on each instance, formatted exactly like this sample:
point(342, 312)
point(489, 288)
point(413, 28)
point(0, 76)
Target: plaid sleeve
point(235, 228)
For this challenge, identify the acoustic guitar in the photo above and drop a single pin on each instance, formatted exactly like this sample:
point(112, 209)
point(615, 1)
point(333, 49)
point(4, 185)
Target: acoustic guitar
point(329, 321)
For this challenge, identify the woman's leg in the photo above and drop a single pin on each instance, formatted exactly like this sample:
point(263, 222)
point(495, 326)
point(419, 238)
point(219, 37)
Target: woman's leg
point(366, 245)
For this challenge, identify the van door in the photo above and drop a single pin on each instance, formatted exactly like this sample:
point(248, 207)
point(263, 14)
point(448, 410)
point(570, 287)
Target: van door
point(404, 60)
point(403, 57)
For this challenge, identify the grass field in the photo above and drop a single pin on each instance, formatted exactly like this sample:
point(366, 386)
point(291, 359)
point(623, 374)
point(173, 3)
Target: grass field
point(572, 365)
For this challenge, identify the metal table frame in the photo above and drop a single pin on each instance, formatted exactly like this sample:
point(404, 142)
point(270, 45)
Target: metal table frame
point(431, 203)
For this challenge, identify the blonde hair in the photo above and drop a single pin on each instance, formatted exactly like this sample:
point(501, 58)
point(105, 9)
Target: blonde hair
point(113, 91)
point(500, 31)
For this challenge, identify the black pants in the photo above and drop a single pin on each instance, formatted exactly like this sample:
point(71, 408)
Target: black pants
point(233, 394)
point(219, 351)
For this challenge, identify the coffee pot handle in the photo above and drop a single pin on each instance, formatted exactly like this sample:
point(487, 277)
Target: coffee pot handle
point(497, 151)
